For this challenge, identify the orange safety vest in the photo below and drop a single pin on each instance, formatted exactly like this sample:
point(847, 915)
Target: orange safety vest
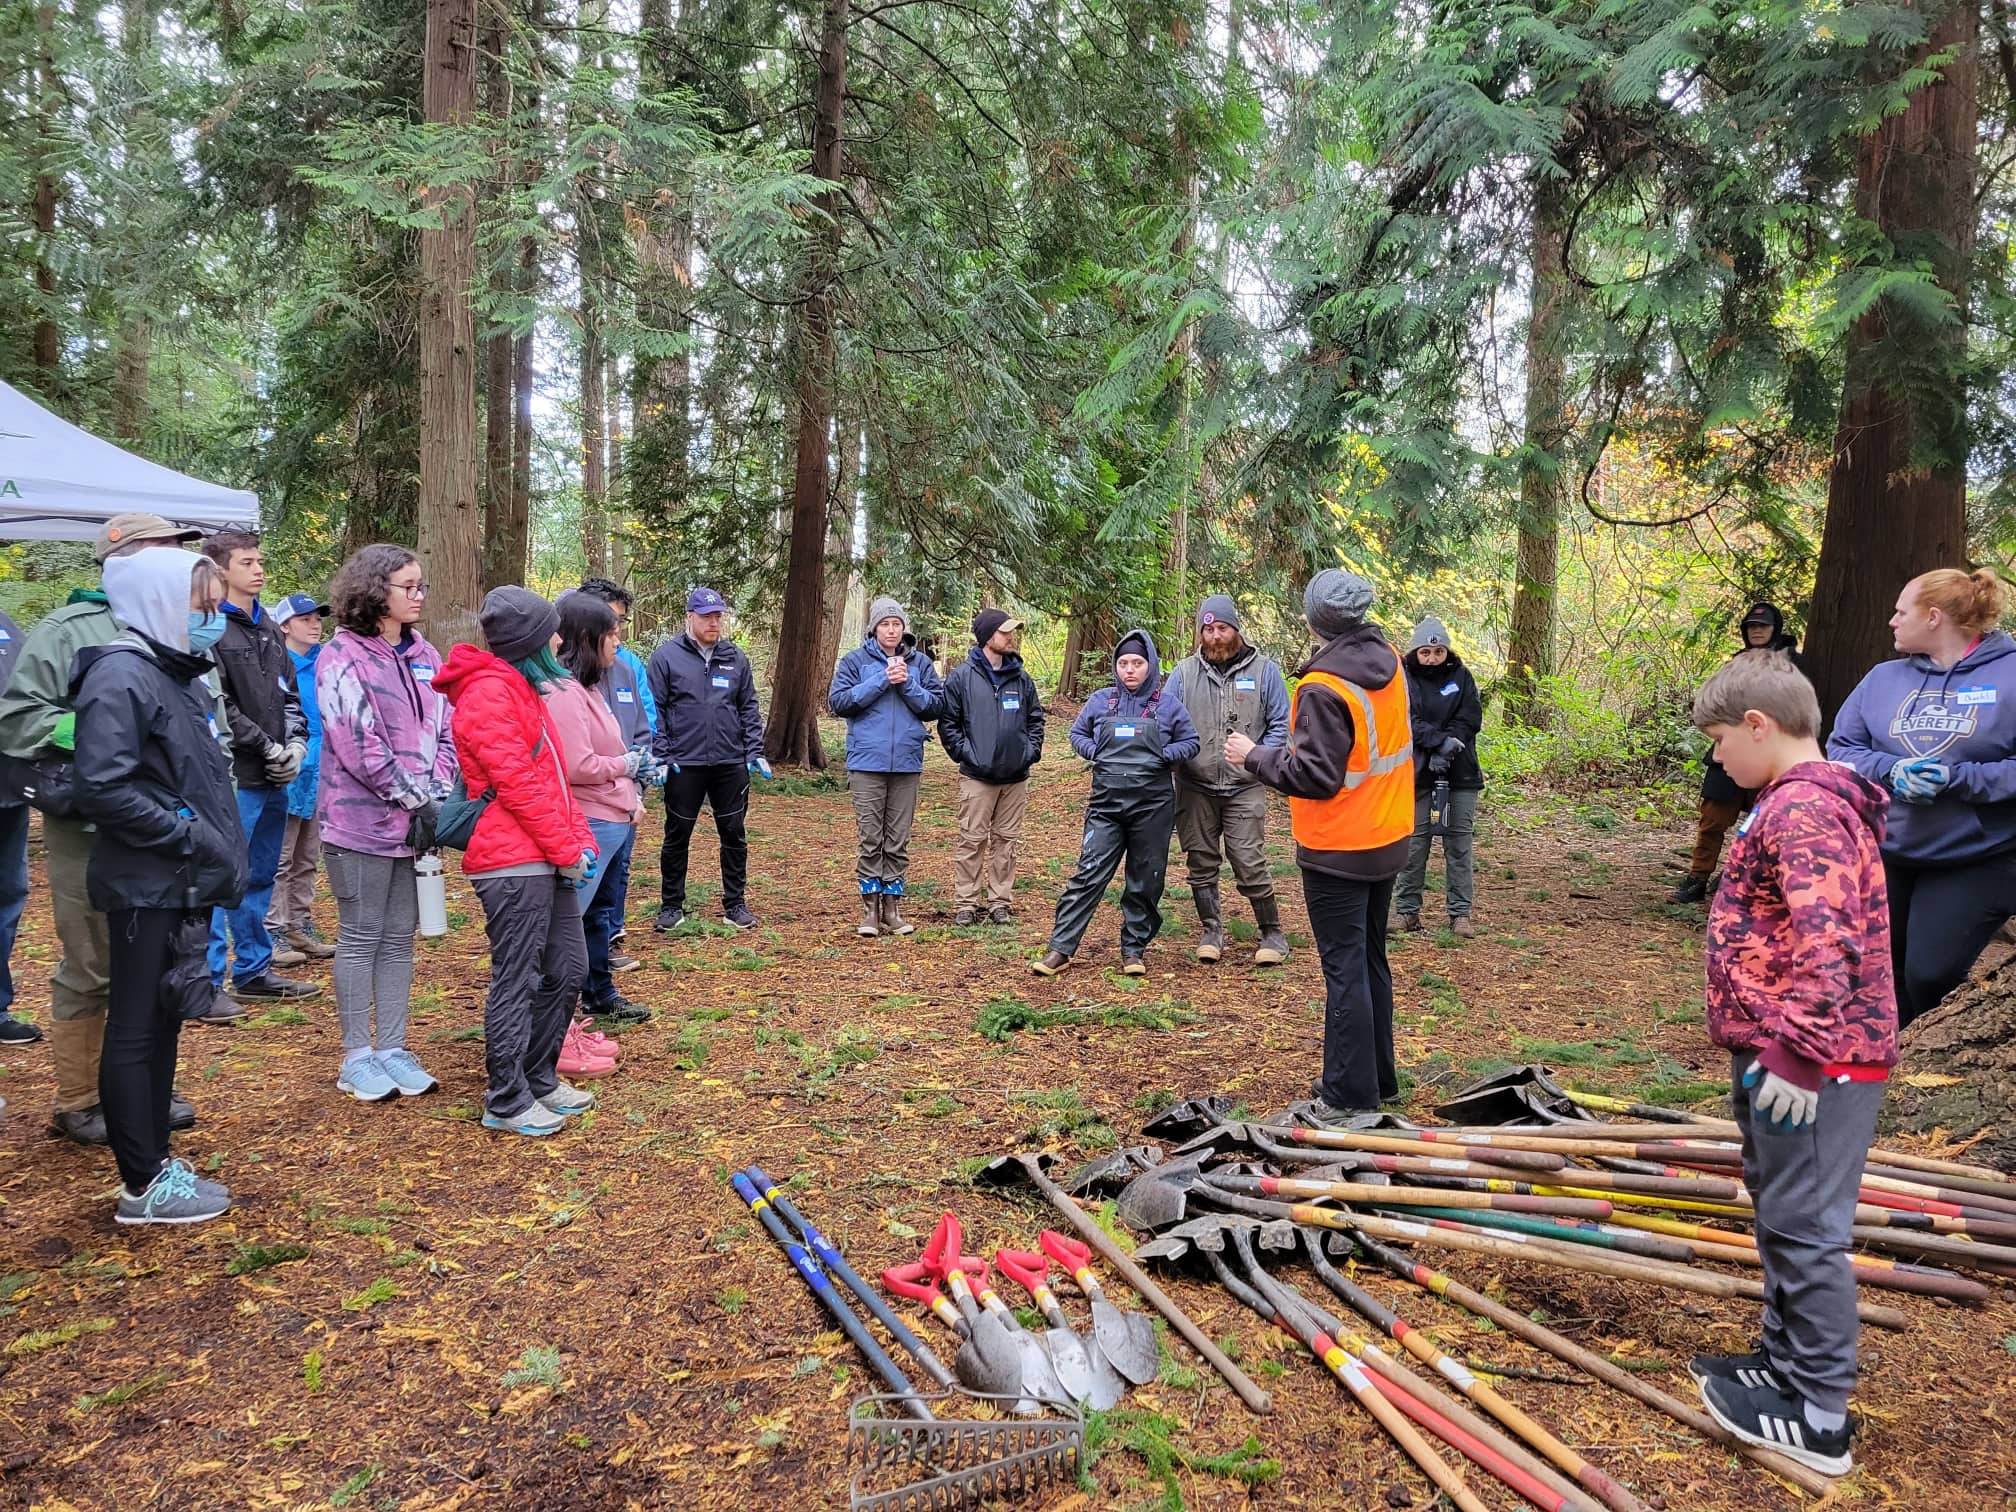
point(1375, 807)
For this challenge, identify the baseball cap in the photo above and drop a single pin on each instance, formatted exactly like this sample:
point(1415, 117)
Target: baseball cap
point(705, 601)
point(296, 603)
point(137, 525)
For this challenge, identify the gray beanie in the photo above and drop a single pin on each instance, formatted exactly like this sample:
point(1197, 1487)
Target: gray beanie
point(887, 608)
point(1218, 610)
point(1336, 601)
point(1430, 632)
point(516, 622)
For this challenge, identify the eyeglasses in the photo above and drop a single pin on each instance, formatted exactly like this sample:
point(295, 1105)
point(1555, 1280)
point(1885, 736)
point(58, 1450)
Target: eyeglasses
point(411, 590)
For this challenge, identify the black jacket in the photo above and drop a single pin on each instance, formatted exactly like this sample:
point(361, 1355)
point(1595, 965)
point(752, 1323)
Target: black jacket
point(146, 750)
point(707, 714)
point(1717, 786)
point(259, 692)
point(1442, 701)
point(991, 722)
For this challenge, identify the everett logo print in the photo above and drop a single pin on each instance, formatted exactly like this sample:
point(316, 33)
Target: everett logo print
point(1928, 723)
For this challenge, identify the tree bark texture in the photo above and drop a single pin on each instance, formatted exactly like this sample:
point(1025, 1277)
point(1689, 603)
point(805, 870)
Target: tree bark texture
point(661, 384)
point(45, 344)
point(450, 514)
point(1897, 495)
point(1087, 639)
point(1529, 658)
point(594, 478)
point(133, 348)
point(508, 527)
point(616, 483)
point(840, 546)
point(499, 365)
point(793, 735)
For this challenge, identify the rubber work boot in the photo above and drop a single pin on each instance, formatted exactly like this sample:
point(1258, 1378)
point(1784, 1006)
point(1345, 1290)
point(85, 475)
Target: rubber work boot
point(1462, 928)
point(892, 915)
point(1210, 925)
point(1273, 947)
point(871, 909)
point(1050, 963)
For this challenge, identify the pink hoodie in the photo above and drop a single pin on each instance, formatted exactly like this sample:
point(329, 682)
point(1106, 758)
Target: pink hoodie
point(592, 749)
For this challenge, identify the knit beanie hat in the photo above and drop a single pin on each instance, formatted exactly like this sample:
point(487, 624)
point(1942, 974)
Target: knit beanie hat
point(887, 608)
point(1218, 610)
point(1430, 632)
point(989, 623)
point(516, 622)
point(1336, 601)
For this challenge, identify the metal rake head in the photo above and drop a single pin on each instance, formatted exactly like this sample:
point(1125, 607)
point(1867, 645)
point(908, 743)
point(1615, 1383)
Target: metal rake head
point(904, 1465)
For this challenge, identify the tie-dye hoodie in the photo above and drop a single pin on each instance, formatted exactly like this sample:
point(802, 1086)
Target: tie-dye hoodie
point(1799, 936)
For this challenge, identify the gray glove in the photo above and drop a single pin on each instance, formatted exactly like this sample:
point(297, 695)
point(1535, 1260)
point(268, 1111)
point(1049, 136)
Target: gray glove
point(283, 768)
point(637, 762)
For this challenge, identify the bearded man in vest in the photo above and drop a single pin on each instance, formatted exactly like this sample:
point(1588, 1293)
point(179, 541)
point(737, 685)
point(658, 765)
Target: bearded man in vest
point(1348, 771)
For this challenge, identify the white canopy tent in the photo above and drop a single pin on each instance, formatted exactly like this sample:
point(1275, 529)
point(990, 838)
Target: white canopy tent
point(59, 483)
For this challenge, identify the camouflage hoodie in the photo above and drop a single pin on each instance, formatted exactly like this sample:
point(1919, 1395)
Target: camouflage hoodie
point(1799, 937)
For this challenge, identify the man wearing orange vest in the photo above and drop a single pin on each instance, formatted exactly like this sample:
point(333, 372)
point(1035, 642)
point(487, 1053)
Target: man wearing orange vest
point(1348, 771)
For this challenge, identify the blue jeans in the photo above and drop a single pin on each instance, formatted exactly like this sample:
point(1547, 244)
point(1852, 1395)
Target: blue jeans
point(13, 893)
point(262, 813)
point(602, 904)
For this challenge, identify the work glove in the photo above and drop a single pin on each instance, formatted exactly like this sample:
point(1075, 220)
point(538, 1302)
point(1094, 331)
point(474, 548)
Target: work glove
point(1784, 1106)
point(420, 826)
point(761, 768)
point(284, 767)
point(1452, 746)
point(1438, 764)
point(1919, 779)
point(637, 763)
point(581, 871)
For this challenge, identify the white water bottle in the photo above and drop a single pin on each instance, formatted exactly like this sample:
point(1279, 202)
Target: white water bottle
point(432, 888)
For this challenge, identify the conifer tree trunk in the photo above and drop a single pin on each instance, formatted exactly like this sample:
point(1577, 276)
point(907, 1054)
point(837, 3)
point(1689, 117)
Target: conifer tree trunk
point(45, 344)
point(450, 526)
point(499, 368)
point(133, 347)
point(793, 734)
point(1897, 495)
point(840, 547)
point(661, 429)
point(508, 524)
point(617, 479)
point(1529, 658)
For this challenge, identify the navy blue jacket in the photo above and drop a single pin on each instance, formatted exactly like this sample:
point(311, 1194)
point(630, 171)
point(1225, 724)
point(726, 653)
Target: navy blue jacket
point(992, 719)
point(707, 714)
point(885, 724)
point(1180, 740)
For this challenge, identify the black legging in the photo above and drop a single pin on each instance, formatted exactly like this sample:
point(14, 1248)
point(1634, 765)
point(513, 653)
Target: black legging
point(1941, 917)
point(136, 1074)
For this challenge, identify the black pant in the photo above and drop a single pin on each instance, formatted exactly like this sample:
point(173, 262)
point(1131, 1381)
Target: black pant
point(726, 790)
point(1139, 829)
point(136, 1074)
point(538, 960)
point(1941, 917)
point(1349, 921)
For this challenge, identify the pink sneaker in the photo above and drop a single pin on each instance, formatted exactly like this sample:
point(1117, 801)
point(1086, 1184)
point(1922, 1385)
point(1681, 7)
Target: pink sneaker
point(578, 1059)
point(602, 1044)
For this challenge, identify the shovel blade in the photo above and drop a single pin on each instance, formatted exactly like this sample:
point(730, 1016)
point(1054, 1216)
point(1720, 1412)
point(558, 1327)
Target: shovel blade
point(1127, 1340)
point(989, 1361)
point(1159, 1197)
point(1073, 1366)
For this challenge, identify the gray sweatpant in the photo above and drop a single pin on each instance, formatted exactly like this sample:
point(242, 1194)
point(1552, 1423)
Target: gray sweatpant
point(1804, 1185)
point(538, 961)
point(377, 915)
point(885, 805)
point(1215, 828)
point(1459, 825)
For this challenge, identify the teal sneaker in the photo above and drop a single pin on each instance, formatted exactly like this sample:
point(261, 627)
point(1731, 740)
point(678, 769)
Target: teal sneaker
point(364, 1077)
point(534, 1120)
point(406, 1072)
point(174, 1196)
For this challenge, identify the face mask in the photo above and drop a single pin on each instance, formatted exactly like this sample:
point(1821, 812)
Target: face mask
point(205, 630)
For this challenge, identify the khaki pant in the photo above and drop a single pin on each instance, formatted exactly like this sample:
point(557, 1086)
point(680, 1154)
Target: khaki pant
point(990, 822)
point(885, 804)
point(294, 882)
point(82, 984)
point(1213, 830)
point(1710, 825)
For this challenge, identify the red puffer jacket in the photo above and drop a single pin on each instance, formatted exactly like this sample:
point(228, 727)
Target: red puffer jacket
point(498, 720)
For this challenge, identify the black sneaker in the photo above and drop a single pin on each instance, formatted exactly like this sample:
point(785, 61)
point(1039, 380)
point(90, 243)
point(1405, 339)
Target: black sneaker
point(739, 916)
point(15, 1031)
point(270, 984)
point(669, 919)
point(1772, 1417)
point(224, 1009)
point(618, 1012)
point(1692, 890)
point(1752, 1369)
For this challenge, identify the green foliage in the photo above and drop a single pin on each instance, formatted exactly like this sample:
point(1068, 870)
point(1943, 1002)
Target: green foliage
point(258, 1257)
point(539, 1365)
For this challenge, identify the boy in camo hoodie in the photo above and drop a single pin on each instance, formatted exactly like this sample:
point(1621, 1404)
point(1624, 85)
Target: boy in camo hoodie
point(1800, 994)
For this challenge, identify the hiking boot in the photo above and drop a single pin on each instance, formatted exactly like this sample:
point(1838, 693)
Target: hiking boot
point(1690, 890)
point(1752, 1369)
point(363, 1078)
point(618, 964)
point(85, 1126)
point(567, 1101)
point(620, 1011)
point(224, 1009)
point(1772, 1416)
point(871, 916)
point(1210, 924)
point(309, 943)
point(1273, 947)
point(181, 1112)
point(892, 914)
point(1050, 963)
point(580, 1058)
point(533, 1120)
point(407, 1074)
point(15, 1031)
point(1461, 927)
point(738, 914)
point(1131, 963)
point(669, 918)
point(1407, 923)
point(1000, 913)
point(287, 955)
point(174, 1196)
point(967, 916)
point(270, 984)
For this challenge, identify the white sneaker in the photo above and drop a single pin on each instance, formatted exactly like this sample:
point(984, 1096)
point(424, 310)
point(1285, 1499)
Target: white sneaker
point(566, 1101)
point(534, 1120)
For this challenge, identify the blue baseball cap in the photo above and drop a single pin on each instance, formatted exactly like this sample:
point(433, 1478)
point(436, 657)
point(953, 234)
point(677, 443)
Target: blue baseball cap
point(705, 601)
point(296, 603)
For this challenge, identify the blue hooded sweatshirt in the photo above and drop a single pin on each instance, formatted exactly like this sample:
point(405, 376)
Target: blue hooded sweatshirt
point(1964, 716)
point(1179, 736)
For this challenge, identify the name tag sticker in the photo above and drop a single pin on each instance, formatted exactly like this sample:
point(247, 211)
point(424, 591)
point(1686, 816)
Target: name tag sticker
point(280, 682)
point(1011, 701)
point(1123, 732)
point(1447, 689)
point(1744, 827)
point(624, 695)
point(1244, 684)
point(213, 726)
point(718, 680)
point(4, 636)
point(1974, 696)
point(422, 672)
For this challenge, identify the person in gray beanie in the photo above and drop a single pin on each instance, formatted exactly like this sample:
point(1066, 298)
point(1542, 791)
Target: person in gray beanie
point(1445, 714)
point(1221, 809)
point(1348, 771)
point(886, 690)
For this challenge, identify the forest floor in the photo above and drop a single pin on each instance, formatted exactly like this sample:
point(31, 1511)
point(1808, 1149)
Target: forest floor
point(475, 1321)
